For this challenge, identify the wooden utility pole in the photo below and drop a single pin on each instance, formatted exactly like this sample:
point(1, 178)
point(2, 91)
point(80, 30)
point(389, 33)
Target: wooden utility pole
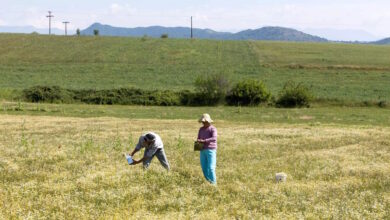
point(66, 27)
point(50, 16)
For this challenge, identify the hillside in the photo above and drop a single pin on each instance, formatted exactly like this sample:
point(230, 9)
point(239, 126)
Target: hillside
point(333, 71)
point(383, 41)
point(114, 62)
point(276, 34)
point(154, 31)
point(266, 33)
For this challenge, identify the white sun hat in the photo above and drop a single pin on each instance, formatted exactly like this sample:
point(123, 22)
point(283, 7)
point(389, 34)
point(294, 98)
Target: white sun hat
point(205, 117)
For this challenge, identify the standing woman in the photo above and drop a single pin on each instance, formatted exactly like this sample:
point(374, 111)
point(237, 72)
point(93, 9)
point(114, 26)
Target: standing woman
point(208, 155)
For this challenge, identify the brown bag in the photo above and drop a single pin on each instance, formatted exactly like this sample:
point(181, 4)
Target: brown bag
point(198, 146)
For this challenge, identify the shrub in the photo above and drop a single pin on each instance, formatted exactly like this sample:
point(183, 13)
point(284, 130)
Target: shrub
point(165, 98)
point(294, 95)
point(164, 36)
point(51, 94)
point(144, 38)
point(128, 97)
point(248, 92)
point(189, 98)
point(382, 104)
point(96, 32)
point(211, 90)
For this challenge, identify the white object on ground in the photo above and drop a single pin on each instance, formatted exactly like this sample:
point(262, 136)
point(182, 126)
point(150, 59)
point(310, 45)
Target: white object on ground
point(281, 177)
point(129, 159)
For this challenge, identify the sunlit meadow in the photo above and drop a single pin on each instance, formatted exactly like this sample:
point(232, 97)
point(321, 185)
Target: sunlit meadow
point(73, 168)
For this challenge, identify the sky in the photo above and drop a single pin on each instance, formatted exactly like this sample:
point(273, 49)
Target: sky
point(369, 16)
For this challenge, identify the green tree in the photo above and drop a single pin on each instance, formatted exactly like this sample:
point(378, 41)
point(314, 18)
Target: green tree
point(248, 92)
point(294, 95)
point(212, 89)
point(96, 32)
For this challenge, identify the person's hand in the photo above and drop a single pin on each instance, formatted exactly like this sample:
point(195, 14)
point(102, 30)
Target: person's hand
point(201, 140)
point(134, 162)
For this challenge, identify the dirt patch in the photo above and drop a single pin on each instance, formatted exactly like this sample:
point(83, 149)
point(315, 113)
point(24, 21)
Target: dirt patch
point(306, 117)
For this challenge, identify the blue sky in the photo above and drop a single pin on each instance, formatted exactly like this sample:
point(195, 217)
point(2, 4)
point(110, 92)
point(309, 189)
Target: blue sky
point(371, 16)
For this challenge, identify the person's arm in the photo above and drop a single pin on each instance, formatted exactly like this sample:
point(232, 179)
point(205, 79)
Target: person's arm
point(138, 147)
point(139, 161)
point(147, 156)
point(200, 140)
point(134, 151)
point(213, 137)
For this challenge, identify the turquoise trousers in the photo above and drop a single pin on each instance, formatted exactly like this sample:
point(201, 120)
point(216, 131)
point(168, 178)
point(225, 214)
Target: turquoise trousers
point(208, 161)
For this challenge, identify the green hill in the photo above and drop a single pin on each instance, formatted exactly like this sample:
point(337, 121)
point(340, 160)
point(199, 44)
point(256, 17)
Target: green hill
point(334, 71)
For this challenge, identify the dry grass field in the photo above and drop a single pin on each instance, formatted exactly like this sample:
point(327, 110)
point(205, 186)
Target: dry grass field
point(73, 168)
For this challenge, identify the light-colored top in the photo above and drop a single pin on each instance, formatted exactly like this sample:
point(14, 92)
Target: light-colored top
point(208, 134)
point(153, 147)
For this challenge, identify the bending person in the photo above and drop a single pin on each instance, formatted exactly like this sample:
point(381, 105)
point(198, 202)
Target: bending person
point(153, 147)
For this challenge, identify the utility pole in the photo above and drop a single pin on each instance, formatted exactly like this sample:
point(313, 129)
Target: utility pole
point(191, 29)
point(66, 27)
point(50, 16)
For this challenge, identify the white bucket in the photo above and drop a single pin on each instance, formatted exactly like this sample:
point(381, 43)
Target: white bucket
point(129, 159)
point(280, 177)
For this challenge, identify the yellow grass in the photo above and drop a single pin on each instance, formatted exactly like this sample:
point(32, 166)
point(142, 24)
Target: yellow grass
point(72, 168)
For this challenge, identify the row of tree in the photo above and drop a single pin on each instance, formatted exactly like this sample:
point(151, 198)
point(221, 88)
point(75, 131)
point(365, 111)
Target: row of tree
point(209, 91)
point(218, 89)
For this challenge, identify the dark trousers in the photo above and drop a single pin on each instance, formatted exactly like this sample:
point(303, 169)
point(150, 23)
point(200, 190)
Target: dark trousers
point(160, 154)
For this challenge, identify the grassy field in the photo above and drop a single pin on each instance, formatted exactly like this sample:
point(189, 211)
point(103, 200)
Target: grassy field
point(333, 71)
point(110, 62)
point(368, 116)
point(65, 161)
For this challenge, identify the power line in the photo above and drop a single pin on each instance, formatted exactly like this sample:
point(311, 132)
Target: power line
point(66, 27)
point(50, 16)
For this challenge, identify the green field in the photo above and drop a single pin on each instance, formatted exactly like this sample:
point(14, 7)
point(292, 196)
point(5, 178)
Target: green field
point(65, 161)
point(314, 116)
point(333, 71)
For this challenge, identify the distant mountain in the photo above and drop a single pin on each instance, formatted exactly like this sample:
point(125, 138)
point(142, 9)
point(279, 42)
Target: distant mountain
point(342, 34)
point(31, 29)
point(277, 34)
point(154, 31)
point(382, 42)
point(266, 33)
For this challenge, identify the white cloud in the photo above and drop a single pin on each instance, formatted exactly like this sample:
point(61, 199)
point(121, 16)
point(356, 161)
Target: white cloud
point(2, 23)
point(33, 16)
point(115, 8)
point(125, 9)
